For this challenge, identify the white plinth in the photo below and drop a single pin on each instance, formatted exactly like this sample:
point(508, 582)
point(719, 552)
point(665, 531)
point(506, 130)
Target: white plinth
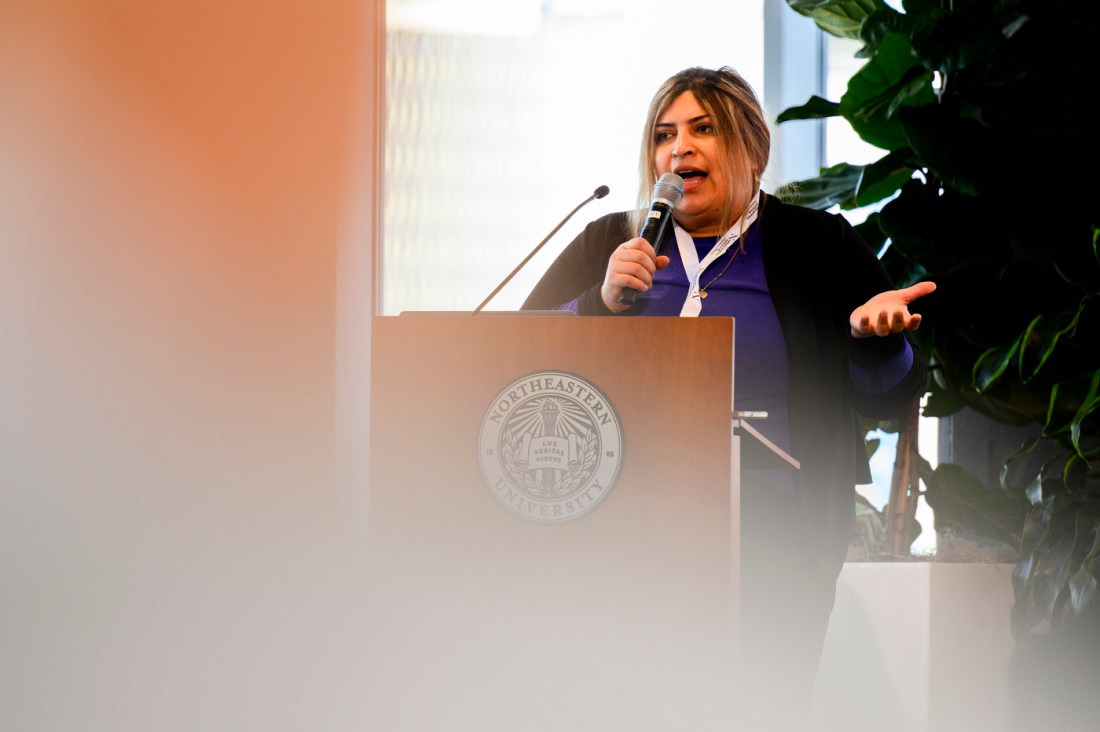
point(917, 647)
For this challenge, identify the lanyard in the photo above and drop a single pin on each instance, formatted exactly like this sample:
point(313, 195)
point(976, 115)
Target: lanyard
point(693, 304)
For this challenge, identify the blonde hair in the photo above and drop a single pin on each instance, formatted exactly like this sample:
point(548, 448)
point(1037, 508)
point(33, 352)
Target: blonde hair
point(744, 140)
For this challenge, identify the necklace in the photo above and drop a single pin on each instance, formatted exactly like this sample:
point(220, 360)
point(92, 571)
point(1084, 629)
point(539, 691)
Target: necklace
point(695, 267)
point(703, 289)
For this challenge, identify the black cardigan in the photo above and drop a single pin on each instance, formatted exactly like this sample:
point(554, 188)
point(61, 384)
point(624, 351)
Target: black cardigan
point(818, 271)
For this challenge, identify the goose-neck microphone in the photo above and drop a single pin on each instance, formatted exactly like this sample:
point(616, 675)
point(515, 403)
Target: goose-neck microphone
point(598, 193)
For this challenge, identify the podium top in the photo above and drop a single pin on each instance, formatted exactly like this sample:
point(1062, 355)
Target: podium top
point(471, 313)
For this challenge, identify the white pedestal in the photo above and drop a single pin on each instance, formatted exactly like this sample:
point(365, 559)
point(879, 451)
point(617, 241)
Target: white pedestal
point(917, 647)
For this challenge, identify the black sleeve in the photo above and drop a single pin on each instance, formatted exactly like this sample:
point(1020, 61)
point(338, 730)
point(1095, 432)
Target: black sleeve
point(820, 271)
point(865, 269)
point(579, 270)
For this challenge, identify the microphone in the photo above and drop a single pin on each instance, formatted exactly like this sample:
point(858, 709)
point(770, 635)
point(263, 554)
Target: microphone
point(666, 194)
point(598, 193)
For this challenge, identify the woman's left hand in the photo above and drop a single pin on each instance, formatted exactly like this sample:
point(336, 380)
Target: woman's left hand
point(888, 312)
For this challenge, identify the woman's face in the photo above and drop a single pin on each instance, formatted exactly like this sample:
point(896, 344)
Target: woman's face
point(687, 144)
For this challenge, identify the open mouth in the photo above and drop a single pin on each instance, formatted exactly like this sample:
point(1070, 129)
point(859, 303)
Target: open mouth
point(692, 178)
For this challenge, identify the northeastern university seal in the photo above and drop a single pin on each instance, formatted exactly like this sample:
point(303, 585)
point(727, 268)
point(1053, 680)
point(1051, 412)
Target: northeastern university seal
point(550, 447)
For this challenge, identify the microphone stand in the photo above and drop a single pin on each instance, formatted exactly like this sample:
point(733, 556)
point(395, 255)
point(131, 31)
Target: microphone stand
point(598, 193)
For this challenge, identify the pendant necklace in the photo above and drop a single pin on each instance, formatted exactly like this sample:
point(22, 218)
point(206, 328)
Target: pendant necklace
point(694, 268)
point(703, 289)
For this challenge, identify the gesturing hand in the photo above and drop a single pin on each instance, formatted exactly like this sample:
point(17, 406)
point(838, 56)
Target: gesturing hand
point(888, 312)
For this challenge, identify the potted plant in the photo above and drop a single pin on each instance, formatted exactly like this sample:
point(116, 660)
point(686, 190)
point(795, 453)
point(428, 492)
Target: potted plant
point(982, 109)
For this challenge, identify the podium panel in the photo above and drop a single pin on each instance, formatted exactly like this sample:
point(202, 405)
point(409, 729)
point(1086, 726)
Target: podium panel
point(551, 532)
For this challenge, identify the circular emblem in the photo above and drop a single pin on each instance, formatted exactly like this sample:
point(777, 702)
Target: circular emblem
point(550, 446)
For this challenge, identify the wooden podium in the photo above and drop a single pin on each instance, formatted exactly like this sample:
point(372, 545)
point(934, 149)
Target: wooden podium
point(552, 526)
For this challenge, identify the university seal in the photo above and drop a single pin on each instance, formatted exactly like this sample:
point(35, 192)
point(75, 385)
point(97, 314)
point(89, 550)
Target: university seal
point(550, 447)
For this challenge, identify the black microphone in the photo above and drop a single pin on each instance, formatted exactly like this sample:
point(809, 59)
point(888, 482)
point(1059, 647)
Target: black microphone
point(598, 193)
point(666, 194)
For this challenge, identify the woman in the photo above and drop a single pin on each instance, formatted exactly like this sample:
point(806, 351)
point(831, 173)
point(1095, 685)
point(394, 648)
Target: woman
point(825, 334)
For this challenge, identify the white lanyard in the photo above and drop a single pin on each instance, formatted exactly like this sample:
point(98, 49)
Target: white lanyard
point(694, 269)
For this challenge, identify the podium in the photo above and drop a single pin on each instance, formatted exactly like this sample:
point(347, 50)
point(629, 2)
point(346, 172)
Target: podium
point(552, 528)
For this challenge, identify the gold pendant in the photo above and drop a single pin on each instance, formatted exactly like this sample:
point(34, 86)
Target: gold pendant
point(703, 294)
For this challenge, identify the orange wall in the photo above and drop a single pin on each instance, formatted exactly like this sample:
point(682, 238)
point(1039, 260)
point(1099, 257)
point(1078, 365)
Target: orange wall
point(180, 184)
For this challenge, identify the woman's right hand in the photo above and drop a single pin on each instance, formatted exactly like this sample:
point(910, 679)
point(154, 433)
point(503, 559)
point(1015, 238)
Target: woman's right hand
point(632, 264)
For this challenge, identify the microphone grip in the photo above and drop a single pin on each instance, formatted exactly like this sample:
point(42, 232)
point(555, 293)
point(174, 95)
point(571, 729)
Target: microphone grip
point(653, 232)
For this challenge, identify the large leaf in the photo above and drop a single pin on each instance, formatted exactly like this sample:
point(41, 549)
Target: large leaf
point(950, 235)
point(951, 41)
point(935, 133)
point(1062, 543)
point(1040, 339)
point(884, 178)
point(882, 23)
point(1071, 402)
point(1036, 271)
point(1083, 583)
point(992, 364)
point(890, 80)
point(815, 108)
point(1052, 574)
point(1082, 588)
point(961, 502)
point(941, 403)
point(841, 18)
point(835, 185)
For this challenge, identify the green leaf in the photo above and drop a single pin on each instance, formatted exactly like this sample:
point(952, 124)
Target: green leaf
point(942, 404)
point(872, 446)
point(816, 108)
point(1053, 574)
point(967, 35)
point(1024, 612)
point(1040, 338)
point(960, 501)
point(1082, 588)
point(1037, 525)
point(835, 185)
point(882, 23)
point(890, 80)
point(993, 363)
point(954, 150)
point(1088, 405)
point(1060, 539)
point(1083, 583)
point(1031, 478)
point(841, 18)
point(1072, 401)
point(884, 177)
point(884, 105)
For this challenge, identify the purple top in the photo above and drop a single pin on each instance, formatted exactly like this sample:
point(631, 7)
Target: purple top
point(740, 290)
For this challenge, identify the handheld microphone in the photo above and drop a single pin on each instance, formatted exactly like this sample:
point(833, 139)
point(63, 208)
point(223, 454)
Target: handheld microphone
point(598, 193)
point(666, 194)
